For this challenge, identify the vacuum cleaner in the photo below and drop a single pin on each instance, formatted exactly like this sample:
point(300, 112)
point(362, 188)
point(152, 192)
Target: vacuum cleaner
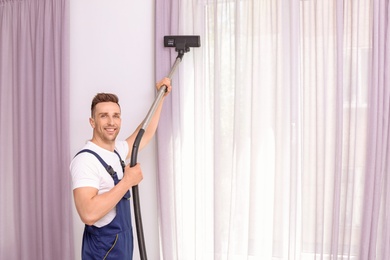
point(182, 45)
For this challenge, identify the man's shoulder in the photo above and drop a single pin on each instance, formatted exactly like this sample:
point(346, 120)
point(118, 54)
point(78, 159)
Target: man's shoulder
point(121, 146)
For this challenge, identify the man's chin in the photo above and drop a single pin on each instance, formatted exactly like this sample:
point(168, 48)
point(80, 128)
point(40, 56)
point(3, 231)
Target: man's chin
point(110, 138)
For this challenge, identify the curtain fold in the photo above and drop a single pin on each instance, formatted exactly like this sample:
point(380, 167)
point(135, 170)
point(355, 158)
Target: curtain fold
point(275, 141)
point(36, 215)
point(376, 229)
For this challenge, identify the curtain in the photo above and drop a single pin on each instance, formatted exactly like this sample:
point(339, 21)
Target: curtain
point(375, 239)
point(36, 213)
point(274, 143)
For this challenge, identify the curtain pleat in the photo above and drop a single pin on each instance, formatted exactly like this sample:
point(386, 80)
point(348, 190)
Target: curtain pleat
point(375, 227)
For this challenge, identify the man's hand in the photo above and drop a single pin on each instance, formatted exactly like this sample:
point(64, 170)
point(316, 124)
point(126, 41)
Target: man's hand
point(132, 175)
point(167, 83)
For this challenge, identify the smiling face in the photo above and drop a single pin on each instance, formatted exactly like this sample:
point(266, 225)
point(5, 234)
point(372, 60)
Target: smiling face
point(106, 123)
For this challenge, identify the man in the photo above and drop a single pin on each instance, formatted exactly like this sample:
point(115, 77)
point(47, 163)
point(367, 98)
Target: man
point(101, 181)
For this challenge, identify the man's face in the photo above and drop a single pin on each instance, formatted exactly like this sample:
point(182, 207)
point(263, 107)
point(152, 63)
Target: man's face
point(106, 121)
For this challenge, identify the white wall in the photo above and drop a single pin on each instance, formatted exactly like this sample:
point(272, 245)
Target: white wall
point(112, 50)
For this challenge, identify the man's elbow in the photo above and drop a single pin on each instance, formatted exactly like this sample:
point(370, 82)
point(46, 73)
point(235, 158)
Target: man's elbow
point(88, 219)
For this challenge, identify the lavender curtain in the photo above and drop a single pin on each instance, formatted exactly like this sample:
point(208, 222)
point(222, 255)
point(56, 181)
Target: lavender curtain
point(36, 215)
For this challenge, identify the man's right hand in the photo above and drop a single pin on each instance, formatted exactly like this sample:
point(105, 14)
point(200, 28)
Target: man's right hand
point(133, 175)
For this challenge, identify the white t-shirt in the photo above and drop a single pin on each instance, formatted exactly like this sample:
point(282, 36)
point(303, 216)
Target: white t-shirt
point(87, 171)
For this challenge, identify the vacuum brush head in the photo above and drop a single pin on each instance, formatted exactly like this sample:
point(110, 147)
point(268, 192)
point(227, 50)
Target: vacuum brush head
point(182, 43)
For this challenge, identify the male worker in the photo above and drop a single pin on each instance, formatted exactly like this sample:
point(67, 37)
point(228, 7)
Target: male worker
point(101, 181)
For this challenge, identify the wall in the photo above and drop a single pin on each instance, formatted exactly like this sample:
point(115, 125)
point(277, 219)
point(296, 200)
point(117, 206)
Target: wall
point(112, 50)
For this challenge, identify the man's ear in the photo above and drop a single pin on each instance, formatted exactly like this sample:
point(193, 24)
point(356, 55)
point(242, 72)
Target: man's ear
point(92, 122)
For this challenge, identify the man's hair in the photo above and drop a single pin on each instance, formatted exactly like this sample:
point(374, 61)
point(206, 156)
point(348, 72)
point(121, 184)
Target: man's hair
point(103, 97)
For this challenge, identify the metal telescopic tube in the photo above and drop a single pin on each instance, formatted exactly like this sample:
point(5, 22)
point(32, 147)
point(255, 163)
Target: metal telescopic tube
point(133, 160)
point(159, 96)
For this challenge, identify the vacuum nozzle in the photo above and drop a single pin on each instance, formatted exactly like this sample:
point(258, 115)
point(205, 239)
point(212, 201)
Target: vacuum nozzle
point(182, 43)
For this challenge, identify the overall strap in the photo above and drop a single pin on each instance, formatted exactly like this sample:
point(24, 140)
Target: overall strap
point(108, 168)
point(127, 195)
point(122, 162)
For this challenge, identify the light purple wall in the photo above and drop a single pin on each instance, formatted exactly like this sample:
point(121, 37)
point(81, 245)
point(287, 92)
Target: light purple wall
point(112, 49)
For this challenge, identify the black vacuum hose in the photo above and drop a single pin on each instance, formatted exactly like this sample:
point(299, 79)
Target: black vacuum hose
point(136, 201)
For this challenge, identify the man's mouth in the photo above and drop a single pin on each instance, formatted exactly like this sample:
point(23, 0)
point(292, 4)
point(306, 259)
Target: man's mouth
point(110, 130)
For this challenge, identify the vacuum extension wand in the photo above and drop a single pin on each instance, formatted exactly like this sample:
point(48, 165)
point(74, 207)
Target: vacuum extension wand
point(182, 44)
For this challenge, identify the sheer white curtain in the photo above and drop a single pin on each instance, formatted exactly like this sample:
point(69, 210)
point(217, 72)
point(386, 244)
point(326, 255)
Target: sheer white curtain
point(262, 150)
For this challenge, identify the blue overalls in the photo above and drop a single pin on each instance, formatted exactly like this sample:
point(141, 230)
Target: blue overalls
point(115, 240)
